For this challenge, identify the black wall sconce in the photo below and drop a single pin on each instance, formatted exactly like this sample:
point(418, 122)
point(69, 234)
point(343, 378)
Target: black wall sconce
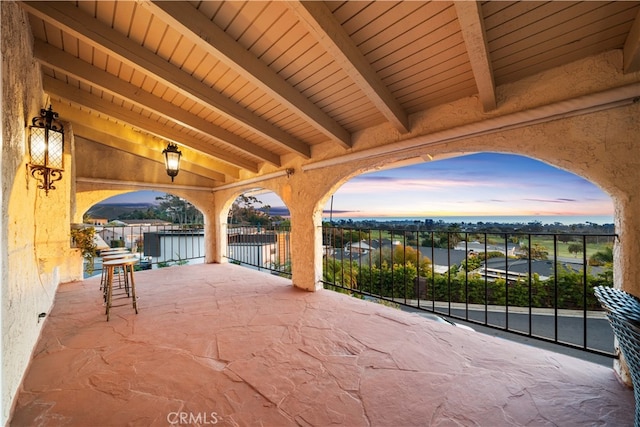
point(46, 149)
point(172, 159)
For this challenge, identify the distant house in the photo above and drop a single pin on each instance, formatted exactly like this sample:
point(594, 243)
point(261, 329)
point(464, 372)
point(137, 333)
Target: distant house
point(360, 247)
point(97, 221)
point(174, 245)
point(478, 247)
point(443, 259)
point(145, 222)
point(514, 269)
point(114, 237)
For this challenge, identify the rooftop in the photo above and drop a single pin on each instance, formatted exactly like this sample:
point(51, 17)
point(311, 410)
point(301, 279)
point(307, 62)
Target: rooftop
point(230, 344)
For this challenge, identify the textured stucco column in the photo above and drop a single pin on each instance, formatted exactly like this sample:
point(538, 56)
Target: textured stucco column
point(306, 246)
point(305, 194)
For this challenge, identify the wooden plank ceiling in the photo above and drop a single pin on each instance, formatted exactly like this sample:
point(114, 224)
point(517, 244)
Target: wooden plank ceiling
point(239, 85)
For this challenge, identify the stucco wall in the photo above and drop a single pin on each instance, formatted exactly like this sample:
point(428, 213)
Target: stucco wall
point(35, 254)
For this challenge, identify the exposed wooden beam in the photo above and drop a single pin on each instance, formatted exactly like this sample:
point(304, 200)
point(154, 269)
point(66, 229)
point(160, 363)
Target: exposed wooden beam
point(187, 163)
point(190, 22)
point(473, 33)
point(80, 70)
point(150, 126)
point(631, 49)
point(104, 38)
point(330, 34)
point(83, 121)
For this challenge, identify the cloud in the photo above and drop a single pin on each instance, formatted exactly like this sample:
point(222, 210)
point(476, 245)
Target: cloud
point(377, 184)
point(558, 200)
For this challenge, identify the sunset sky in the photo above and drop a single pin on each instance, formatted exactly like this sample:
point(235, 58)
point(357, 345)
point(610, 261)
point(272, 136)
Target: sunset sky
point(483, 184)
point(477, 185)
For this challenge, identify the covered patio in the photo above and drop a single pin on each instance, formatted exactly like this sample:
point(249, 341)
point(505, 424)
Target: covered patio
point(296, 98)
point(226, 345)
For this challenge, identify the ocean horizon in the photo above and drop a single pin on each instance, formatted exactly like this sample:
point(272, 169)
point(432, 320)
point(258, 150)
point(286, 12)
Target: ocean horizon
point(502, 219)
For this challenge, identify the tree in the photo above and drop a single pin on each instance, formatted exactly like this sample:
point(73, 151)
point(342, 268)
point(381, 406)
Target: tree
point(603, 257)
point(449, 238)
point(537, 251)
point(179, 210)
point(246, 210)
point(575, 248)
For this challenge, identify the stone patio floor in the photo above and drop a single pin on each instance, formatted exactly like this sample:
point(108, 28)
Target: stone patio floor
point(219, 344)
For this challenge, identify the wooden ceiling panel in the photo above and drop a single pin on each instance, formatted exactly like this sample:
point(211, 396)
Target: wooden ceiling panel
point(113, 66)
point(240, 28)
point(376, 44)
point(443, 37)
point(557, 57)
point(345, 10)
point(53, 35)
point(126, 72)
point(437, 61)
point(311, 80)
point(154, 34)
point(375, 14)
point(293, 48)
point(99, 59)
point(141, 19)
point(203, 69)
point(124, 16)
point(193, 60)
point(168, 43)
point(252, 81)
point(207, 8)
point(282, 36)
point(221, 77)
point(314, 60)
point(432, 99)
point(526, 18)
point(560, 24)
point(421, 82)
point(543, 51)
point(269, 29)
point(495, 12)
point(226, 12)
point(181, 53)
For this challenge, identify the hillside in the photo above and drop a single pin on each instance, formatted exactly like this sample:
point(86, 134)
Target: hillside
point(112, 211)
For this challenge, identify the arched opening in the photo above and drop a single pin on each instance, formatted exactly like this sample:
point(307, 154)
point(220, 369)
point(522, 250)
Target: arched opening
point(159, 228)
point(502, 241)
point(258, 231)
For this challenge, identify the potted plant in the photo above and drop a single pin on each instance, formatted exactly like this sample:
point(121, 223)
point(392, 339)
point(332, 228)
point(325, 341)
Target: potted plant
point(83, 239)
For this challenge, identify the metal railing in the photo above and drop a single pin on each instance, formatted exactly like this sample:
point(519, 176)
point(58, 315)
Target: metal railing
point(538, 285)
point(260, 247)
point(156, 246)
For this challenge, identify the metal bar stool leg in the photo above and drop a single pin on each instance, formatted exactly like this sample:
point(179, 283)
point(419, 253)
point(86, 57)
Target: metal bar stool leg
point(109, 289)
point(133, 289)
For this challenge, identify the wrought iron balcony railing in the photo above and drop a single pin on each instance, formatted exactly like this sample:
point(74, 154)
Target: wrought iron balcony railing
point(156, 246)
point(538, 285)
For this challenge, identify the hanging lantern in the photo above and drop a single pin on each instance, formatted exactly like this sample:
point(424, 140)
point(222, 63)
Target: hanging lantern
point(172, 159)
point(46, 149)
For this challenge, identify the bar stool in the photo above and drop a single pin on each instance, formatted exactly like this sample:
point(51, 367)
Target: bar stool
point(109, 257)
point(129, 283)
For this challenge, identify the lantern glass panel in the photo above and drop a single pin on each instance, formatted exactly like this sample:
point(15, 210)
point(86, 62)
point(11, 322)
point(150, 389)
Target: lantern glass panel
point(38, 146)
point(56, 150)
point(172, 161)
